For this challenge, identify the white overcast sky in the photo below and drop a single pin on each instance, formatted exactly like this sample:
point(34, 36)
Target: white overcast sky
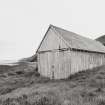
point(23, 23)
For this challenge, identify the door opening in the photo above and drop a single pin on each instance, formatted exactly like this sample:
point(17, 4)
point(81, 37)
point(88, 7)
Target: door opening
point(52, 71)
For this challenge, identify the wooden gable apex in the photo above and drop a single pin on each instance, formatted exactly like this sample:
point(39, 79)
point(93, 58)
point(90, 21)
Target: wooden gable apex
point(67, 39)
point(57, 40)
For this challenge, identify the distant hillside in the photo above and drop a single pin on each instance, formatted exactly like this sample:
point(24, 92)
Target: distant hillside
point(101, 39)
point(18, 66)
point(33, 58)
point(8, 62)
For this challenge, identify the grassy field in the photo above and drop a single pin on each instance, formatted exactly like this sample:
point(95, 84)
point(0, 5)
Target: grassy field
point(29, 88)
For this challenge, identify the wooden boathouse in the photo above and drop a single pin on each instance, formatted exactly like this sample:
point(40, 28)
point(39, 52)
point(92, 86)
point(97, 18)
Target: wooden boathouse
point(62, 53)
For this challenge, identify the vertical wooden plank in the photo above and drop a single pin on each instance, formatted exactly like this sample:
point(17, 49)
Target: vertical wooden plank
point(68, 62)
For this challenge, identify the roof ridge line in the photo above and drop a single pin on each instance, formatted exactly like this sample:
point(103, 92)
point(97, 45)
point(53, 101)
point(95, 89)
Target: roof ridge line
point(72, 32)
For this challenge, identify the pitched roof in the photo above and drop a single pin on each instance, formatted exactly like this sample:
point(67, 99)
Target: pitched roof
point(79, 42)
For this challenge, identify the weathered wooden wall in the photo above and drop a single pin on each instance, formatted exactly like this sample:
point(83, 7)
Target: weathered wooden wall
point(61, 64)
point(58, 64)
point(51, 42)
point(86, 60)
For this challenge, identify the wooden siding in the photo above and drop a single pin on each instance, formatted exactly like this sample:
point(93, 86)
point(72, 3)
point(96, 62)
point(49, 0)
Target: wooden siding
point(61, 64)
point(55, 62)
point(51, 42)
point(84, 60)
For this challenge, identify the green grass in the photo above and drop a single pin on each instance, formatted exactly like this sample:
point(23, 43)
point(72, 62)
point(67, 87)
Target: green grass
point(23, 74)
point(29, 88)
